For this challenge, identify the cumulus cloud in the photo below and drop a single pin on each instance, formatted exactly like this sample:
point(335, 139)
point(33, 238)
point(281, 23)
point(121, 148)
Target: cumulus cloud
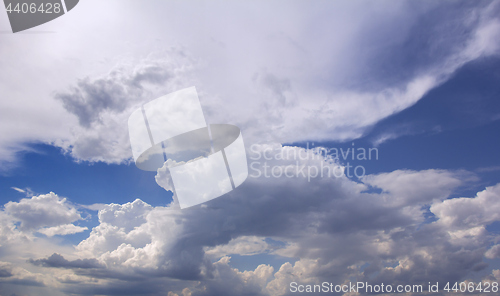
point(119, 225)
point(125, 216)
point(332, 225)
point(48, 214)
point(42, 210)
point(408, 187)
point(337, 229)
point(252, 282)
point(460, 213)
point(302, 271)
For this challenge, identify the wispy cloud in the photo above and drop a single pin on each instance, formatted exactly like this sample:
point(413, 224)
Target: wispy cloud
point(18, 189)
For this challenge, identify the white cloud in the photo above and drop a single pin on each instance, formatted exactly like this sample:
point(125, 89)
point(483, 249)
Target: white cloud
point(18, 189)
point(48, 214)
point(466, 213)
point(303, 271)
point(247, 282)
point(125, 216)
point(244, 245)
point(407, 187)
point(62, 230)
point(42, 210)
point(493, 253)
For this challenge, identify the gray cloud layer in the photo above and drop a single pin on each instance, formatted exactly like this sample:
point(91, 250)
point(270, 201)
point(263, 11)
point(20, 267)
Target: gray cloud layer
point(56, 260)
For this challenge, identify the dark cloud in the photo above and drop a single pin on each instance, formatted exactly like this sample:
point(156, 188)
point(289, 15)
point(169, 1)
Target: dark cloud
point(90, 97)
point(103, 104)
point(5, 272)
point(56, 260)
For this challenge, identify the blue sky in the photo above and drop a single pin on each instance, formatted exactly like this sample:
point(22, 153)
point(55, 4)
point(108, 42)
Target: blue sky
point(417, 81)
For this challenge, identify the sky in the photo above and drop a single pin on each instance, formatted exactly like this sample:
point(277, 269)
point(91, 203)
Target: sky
point(415, 83)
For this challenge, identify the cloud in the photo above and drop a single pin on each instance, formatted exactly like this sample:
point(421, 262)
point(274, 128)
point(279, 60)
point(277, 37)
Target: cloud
point(5, 269)
point(466, 213)
point(331, 229)
point(103, 104)
point(126, 216)
point(464, 220)
point(41, 211)
point(62, 230)
point(340, 100)
point(56, 260)
point(361, 64)
point(47, 213)
point(120, 88)
point(406, 188)
point(18, 189)
point(244, 245)
point(324, 228)
point(14, 275)
point(251, 282)
point(119, 225)
point(331, 85)
point(494, 252)
point(302, 271)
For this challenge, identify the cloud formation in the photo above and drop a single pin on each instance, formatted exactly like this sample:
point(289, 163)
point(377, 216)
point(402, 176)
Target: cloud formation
point(322, 87)
point(56, 260)
point(328, 229)
point(42, 211)
point(327, 74)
